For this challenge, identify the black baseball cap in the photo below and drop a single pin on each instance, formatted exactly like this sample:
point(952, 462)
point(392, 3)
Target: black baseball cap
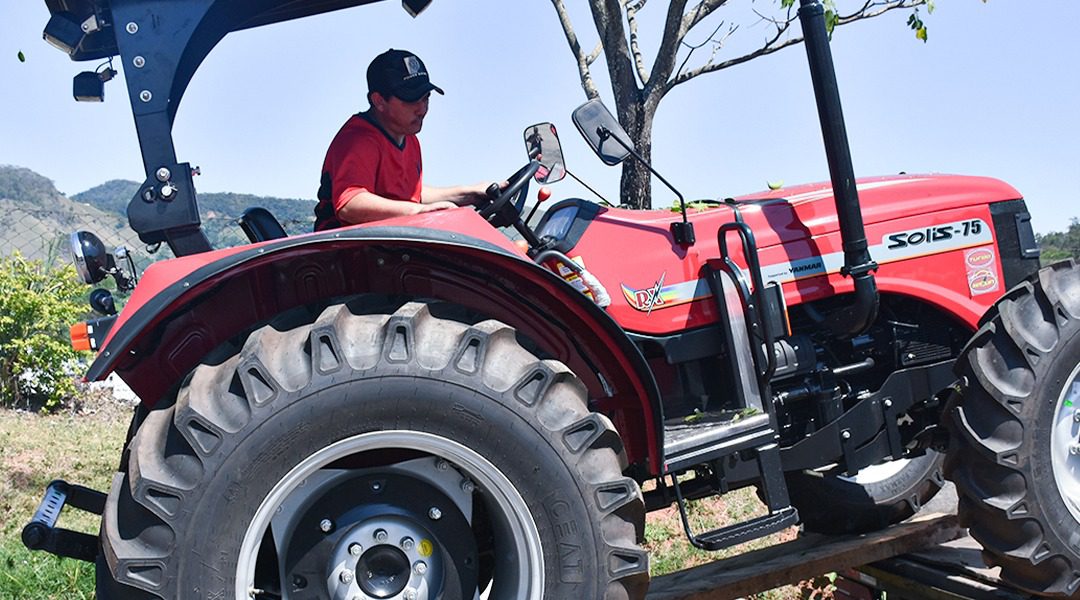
point(401, 74)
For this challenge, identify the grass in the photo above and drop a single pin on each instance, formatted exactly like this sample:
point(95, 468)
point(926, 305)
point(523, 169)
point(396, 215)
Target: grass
point(84, 448)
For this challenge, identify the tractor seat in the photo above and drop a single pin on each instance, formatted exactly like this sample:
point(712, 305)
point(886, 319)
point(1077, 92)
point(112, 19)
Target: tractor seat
point(260, 225)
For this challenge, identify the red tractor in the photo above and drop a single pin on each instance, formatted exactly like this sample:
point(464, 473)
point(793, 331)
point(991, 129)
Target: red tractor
point(421, 408)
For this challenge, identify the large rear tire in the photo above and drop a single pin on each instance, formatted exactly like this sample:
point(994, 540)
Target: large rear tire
point(376, 456)
point(1015, 452)
point(872, 499)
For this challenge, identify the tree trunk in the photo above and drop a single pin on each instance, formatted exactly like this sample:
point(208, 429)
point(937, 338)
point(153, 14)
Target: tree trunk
point(636, 184)
point(634, 187)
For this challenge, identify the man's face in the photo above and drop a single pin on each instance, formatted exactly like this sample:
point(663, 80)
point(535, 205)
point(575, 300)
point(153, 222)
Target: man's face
point(404, 118)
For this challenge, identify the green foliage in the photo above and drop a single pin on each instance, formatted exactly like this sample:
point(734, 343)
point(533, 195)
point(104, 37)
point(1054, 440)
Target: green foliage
point(915, 22)
point(37, 306)
point(1057, 246)
point(22, 57)
point(832, 18)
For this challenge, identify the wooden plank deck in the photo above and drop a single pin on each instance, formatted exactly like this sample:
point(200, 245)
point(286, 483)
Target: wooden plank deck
point(803, 558)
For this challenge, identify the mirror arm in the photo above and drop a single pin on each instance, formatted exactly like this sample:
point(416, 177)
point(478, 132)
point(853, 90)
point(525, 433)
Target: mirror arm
point(682, 232)
point(603, 200)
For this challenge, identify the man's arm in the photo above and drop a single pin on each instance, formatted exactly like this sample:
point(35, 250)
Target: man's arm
point(362, 206)
point(460, 195)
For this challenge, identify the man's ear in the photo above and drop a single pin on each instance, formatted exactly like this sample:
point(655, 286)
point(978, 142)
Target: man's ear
point(377, 101)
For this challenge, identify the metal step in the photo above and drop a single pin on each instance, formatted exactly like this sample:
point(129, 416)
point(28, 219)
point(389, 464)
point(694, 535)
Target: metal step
point(41, 533)
point(712, 435)
point(753, 529)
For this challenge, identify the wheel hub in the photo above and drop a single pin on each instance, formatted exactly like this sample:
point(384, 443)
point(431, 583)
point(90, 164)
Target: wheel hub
point(1065, 444)
point(401, 531)
point(383, 571)
point(396, 560)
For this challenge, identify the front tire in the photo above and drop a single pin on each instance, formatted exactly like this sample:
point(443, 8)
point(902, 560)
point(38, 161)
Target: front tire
point(1015, 451)
point(874, 498)
point(376, 455)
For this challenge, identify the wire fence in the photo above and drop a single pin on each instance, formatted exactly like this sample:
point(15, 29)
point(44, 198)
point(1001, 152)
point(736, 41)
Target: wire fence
point(43, 232)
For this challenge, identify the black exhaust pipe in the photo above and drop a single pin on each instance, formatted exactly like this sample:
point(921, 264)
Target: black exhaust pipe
point(855, 318)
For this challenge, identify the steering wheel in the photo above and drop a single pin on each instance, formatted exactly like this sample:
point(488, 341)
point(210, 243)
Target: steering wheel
point(514, 193)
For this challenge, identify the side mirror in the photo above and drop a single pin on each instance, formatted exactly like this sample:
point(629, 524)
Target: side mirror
point(602, 132)
point(542, 144)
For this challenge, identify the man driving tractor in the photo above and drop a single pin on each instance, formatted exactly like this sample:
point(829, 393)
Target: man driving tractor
point(374, 168)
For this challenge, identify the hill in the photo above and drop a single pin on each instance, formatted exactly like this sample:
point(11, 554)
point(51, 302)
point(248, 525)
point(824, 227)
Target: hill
point(36, 219)
point(219, 211)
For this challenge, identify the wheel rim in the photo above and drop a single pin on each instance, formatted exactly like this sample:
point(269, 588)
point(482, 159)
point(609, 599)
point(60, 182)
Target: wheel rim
point(877, 473)
point(1065, 444)
point(518, 561)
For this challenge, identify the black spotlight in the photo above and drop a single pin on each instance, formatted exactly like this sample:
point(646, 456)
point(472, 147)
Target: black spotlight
point(415, 7)
point(64, 31)
point(92, 260)
point(88, 86)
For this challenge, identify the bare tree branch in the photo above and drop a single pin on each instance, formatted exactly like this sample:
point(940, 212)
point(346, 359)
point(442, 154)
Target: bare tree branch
point(699, 12)
point(882, 8)
point(871, 9)
point(693, 47)
point(669, 46)
point(595, 54)
point(608, 16)
point(575, 47)
point(632, 9)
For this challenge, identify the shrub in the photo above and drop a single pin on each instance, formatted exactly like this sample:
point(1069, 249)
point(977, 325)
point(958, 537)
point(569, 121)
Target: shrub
point(38, 304)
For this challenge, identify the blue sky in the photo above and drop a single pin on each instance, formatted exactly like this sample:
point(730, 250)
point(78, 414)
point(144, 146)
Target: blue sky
point(994, 92)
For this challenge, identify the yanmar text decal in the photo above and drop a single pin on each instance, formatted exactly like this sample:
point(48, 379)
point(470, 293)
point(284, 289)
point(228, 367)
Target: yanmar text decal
point(900, 245)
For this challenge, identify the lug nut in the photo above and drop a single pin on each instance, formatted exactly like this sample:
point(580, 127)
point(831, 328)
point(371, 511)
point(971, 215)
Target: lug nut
point(442, 465)
point(434, 513)
point(410, 594)
point(346, 577)
point(420, 568)
point(1074, 449)
point(1076, 416)
point(355, 549)
point(380, 535)
point(467, 486)
point(407, 543)
point(326, 525)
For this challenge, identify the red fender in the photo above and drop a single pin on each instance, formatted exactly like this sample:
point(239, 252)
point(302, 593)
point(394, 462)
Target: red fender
point(185, 308)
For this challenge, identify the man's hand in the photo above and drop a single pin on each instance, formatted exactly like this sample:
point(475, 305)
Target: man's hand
point(440, 205)
point(462, 195)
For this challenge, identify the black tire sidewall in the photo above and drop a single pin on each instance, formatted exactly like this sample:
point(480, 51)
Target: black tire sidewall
point(829, 503)
point(282, 436)
point(1061, 522)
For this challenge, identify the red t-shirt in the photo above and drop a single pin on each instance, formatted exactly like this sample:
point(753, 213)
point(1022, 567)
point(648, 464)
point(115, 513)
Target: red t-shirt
point(363, 156)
